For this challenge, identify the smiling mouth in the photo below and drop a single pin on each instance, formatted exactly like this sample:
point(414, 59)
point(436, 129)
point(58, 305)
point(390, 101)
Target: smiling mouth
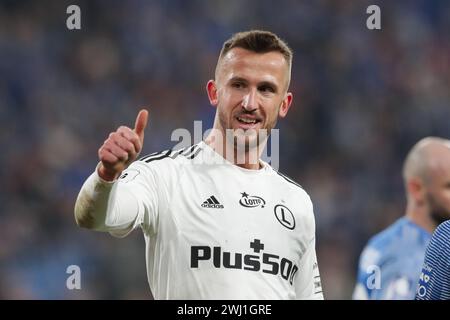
point(247, 121)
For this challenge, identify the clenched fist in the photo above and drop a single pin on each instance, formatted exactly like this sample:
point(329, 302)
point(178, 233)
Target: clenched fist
point(121, 148)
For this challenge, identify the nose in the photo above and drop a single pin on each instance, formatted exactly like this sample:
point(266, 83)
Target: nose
point(249, 102)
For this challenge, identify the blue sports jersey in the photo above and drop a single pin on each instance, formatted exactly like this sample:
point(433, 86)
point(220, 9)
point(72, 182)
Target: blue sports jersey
point(434, 282)
point(390, 264)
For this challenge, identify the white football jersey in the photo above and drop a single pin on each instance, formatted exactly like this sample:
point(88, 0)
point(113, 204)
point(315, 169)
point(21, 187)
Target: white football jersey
point(214, 230)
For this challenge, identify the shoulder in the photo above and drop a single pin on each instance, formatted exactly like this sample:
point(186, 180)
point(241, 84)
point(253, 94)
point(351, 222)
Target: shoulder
point(290, 185)
point(170, 157)
point(401, 242)
point(440, 241)
point(162, 164)
point(378, 246)
point(442, 233)
point(385, 237)
point(286, 179)
point(294, 190)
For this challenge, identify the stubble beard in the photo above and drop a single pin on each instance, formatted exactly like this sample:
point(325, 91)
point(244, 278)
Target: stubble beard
point(437, 212)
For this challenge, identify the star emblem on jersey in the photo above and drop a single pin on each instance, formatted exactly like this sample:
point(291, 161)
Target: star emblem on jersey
point(284, 216)
point(251, 201)
point(212, 202)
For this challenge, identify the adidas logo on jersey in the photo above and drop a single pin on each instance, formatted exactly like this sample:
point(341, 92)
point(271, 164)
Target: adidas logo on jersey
point(212, 202)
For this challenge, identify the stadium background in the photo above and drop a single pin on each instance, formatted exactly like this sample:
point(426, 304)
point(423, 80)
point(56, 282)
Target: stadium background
point(362, 99)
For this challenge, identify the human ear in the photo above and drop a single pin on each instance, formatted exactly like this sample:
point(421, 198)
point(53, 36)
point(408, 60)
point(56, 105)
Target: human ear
point(285, 105)
point(211, 88)
point(416, 189)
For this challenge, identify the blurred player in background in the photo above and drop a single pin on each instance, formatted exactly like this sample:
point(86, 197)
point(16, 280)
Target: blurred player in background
point(235, 230)
point(434, 282)
point(390, 264)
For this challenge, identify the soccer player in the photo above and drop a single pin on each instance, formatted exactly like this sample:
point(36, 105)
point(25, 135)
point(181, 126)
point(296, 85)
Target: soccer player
point(434, 282)
point(225, 227)
point(390, 265)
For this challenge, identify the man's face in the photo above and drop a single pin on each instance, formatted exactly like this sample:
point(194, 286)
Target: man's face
point(438, 192)
point(250, 92)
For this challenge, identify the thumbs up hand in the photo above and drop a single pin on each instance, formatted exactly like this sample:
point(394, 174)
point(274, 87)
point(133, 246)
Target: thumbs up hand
point(121, 148)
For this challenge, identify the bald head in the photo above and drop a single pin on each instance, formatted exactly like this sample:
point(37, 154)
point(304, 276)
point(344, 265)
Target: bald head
point(427, 180)
point(429, 157)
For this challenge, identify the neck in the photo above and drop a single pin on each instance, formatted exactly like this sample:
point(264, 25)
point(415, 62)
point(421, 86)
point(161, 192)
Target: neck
point(239, 155)
point(419, 216)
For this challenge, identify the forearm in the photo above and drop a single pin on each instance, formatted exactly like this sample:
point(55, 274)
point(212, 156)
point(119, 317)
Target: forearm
point(92, 202)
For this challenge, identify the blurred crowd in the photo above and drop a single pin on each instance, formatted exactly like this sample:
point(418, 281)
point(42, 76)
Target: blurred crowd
point(362, 98)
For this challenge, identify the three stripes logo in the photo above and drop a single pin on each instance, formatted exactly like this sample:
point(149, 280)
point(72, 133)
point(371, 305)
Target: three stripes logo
point(188, 152)
point(212, 202)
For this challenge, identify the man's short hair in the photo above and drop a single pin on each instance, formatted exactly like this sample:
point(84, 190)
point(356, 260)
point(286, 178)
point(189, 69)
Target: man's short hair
point(258, 41)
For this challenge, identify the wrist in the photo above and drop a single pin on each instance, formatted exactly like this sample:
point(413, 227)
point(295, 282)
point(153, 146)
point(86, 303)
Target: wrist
point(107, 175)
